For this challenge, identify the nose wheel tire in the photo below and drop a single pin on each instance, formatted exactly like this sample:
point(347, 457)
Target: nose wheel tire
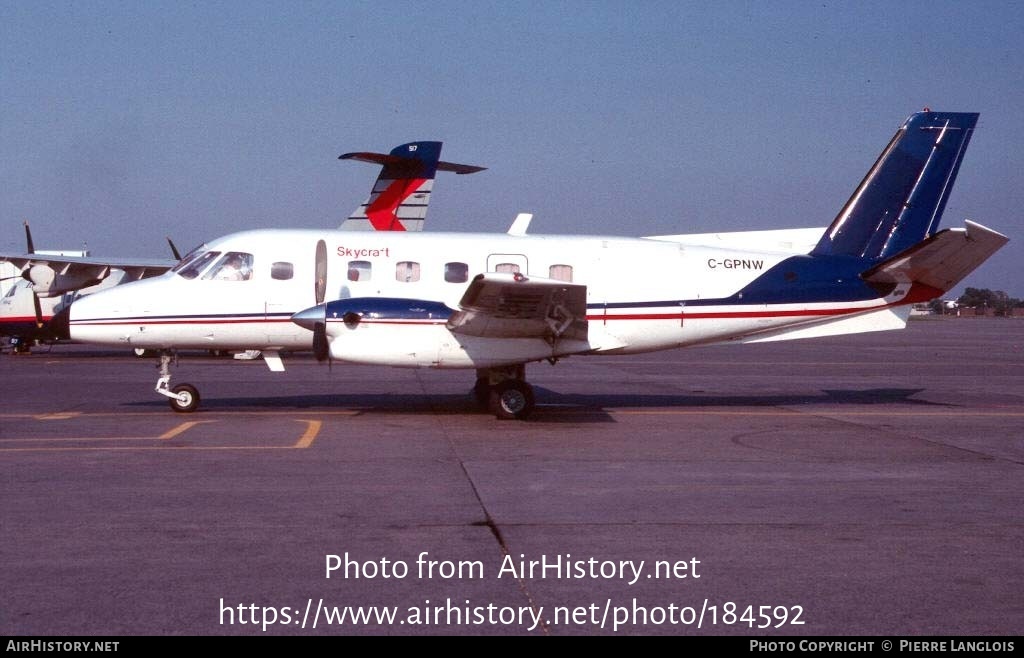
point(186, 398)
point(512, 400)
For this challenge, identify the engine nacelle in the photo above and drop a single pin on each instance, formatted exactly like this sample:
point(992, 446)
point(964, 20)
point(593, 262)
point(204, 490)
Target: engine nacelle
point(383, 310)
point(47, 282)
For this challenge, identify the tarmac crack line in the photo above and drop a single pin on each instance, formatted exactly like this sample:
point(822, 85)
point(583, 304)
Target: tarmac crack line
point(489, 521)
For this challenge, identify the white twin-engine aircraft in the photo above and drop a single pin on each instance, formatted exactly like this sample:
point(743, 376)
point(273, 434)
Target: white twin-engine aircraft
point(494, 303)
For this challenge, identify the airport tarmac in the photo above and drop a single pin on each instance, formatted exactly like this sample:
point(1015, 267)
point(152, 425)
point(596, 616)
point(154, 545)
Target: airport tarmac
point(862, 485)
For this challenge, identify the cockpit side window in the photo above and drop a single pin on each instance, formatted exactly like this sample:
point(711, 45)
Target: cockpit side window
point(190, 268)
point(233, 266)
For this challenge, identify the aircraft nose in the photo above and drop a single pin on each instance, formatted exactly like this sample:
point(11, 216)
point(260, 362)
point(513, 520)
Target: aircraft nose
point(312, 316)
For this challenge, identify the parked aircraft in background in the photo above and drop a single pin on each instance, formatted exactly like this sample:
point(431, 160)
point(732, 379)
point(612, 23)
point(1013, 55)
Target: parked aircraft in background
point(494, 303)
point(52, 274)
point(48, 281)
point(401, 193)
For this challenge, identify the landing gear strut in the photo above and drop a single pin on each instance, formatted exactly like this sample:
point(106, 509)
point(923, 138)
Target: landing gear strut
point(183, 398)
point(504, 392)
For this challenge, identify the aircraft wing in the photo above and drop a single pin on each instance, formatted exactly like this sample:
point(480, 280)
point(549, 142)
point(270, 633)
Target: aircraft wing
point(942, 260)
point(503, 305)
point(54, 275)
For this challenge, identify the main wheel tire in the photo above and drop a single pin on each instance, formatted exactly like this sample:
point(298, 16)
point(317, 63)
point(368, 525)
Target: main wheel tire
point(187, 398)
point(512, 400)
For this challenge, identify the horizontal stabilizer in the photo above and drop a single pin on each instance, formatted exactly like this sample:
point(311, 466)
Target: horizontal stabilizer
point(399, 161)
point(941, 261)
point(503, 305)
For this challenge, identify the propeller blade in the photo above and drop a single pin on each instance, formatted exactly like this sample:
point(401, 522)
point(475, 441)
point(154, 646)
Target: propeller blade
point(39, 311)
point(28, 240)
point(321, 347)
point(320, 287)
point(174, 250)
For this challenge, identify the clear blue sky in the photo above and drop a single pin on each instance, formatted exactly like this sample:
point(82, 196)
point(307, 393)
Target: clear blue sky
point(124, 122)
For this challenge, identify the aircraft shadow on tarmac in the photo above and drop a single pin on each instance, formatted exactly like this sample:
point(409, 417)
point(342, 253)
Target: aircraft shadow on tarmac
point(552, 406)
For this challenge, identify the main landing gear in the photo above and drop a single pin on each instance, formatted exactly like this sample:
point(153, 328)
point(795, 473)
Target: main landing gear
point(504, 392)
point(183, 398)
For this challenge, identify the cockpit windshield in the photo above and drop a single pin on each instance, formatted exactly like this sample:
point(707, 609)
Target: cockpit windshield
point(192, 265)
point(233, 266)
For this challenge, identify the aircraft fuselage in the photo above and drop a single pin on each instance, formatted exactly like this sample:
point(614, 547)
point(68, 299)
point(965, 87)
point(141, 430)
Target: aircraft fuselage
point(641, 295)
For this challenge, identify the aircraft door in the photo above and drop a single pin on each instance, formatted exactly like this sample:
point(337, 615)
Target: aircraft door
point(286, 284)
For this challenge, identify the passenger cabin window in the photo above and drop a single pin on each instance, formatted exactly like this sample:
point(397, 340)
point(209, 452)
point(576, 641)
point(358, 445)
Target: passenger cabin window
point(282, 271)
point(233, 266)
point(510, 268)
point(560, 273)
point(359, 270)
point(191, 268)
point(456, 272)
point(407, 271)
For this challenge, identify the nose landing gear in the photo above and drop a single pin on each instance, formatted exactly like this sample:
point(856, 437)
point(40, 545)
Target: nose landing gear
point(183, 398)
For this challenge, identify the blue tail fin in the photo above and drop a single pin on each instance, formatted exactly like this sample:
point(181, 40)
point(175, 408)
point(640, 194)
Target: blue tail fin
point(900, 201)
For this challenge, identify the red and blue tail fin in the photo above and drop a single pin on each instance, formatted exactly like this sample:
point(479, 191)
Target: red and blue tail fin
point(900, 201)
point(401, 193)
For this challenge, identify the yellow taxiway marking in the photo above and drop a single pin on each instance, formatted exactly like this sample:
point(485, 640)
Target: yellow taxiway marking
point(184, 427)
point(305, 440)
point(138, 448)
point(312, 429)
point(60, 415)
point(65, 415)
